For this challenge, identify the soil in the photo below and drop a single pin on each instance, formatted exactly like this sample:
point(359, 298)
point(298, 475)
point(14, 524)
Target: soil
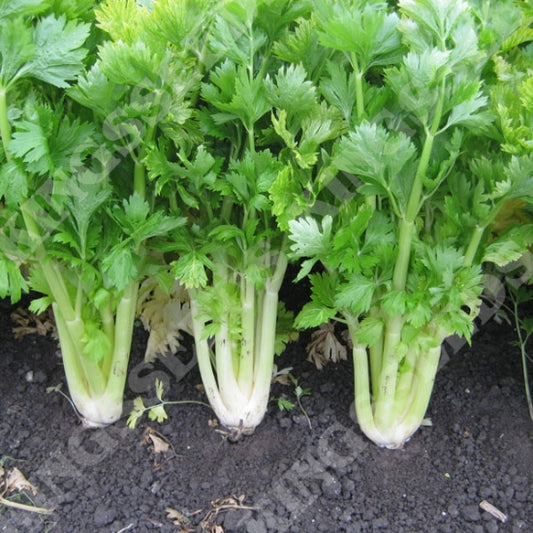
point(286, 477)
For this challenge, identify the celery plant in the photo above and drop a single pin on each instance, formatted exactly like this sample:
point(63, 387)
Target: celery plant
point(75, 213)
point(421, 178)
point(232, 258)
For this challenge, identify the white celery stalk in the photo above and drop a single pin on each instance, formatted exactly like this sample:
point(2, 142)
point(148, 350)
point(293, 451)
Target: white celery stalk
point(237, 385)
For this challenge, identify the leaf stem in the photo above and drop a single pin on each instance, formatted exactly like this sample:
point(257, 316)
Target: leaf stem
point(384, 408)
point(52, 275)
point(5, 130)
point(362, 396)
point(203, 354)
point(108, 326)
point(359, 93)
point(123, 332)
point(139, 180)
point(83, 381)
point(248, 321)
point(522, 342)
point(473, 245)
point(405, 237)
point(25, 507)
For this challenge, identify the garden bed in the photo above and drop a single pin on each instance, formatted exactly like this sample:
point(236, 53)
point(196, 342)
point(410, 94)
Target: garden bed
point(285, 477)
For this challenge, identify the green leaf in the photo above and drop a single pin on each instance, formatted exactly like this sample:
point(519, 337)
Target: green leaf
point(339, 89)
point(121, 19)
point(70, 142)
point(380, 158)
point(136, 209)
point(95, 91)
point(30, 140)
point(59, 50)
point(284, 404)
point(503, 253)
point(361, 152)
point(510, 246)
point(157, 413)
point(97, 345)
point(159, 389)
point(226, 232)
point(317, 128)
point(248, 177)
point(202, 171)
point(12, 282)
point(467, 113)
point(46, 140)
point(101, 298)
point(310, 239)
point(136, 413)
point(442, 262)
point(434, 19)
point(74, 9)
point(189, 269)
point(16, 49)
point(355, 220)
point(312, 315)
point(13, 184)
point(157, 225)
point(181, 23)
point(13, 8)
point(210, 330)
point(232, 35)
point(286, 196)
point(520, 172)
point(248, 101)
point(419, 311)
point(527, 324)
point(134, 64)
point(357, 295)
point(121, 267)
point(394, 302)
point(65, 237)
point(301, 46)
point(415, 81)
point(323, 289)
point(370, 330)
point(40, 305)
point(368, 32)
point(83, 203)
point(285, 329)
point(291, 90)
point(189, 177)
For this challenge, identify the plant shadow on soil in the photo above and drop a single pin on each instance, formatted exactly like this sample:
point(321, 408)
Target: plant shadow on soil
point(286, 477)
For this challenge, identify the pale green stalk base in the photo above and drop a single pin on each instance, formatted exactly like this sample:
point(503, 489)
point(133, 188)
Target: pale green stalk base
point(240, 409)
point(403, 396)
point(237, 385)
point(96, 394)
point(97, 412)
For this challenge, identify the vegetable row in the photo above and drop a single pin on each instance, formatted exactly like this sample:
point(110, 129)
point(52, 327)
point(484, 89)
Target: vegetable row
point(211, 142)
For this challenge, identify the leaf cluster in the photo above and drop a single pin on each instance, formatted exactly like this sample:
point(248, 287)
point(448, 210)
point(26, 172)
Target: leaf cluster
point(49, 48)
point(263, 125)
point(199, 134)
point(422, 150)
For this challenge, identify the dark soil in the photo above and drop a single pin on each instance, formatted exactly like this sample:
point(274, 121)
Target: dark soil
point(329, 478)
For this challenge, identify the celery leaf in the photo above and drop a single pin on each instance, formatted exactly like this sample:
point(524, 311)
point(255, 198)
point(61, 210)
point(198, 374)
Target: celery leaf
point(309, 239)
point(59, 51)
point(13, 8)
point(16, 49)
